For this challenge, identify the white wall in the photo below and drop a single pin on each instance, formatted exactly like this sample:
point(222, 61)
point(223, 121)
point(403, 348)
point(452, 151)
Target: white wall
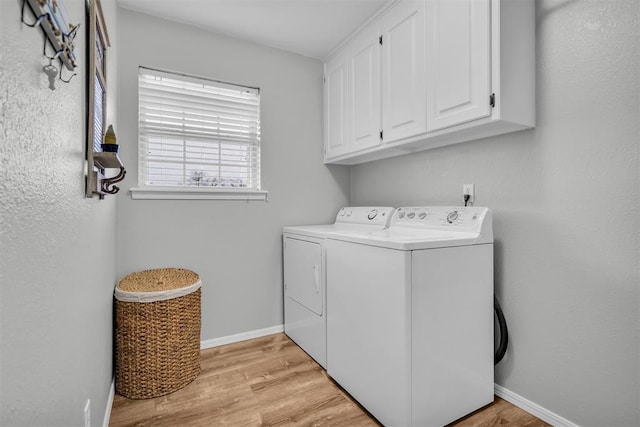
point(234, 246)
point(57, 248)
point(565, 198)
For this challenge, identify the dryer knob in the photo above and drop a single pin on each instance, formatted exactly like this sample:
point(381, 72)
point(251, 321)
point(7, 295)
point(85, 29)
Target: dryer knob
point(422, 215)
point(400, 215)
point(411, 215)
point(452, 217)
point(372, 214)
point(349, 213)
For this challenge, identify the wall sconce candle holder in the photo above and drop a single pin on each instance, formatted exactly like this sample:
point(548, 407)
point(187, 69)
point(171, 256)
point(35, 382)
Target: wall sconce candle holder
point(97, 180)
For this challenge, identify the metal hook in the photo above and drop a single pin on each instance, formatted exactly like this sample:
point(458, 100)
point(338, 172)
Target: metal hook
point(38, 20)
point(44, 51)
point(51, 59)
point(105, 183)
point(71, 35)
point(66, 81)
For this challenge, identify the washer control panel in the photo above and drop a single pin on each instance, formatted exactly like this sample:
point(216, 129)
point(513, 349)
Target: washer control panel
point(440, 217)
point(365, 215)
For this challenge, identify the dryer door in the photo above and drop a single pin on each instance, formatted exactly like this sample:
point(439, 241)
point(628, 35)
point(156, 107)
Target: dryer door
point(303, 273)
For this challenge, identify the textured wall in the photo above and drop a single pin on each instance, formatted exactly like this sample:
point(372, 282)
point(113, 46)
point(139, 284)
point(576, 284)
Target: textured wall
point(235, 246)
point(57, 248)
point(566, 214)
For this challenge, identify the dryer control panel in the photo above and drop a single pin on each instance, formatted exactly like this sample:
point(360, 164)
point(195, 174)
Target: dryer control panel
point(375, 215)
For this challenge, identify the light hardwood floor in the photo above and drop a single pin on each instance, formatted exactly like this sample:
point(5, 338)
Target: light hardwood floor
point(270, 381)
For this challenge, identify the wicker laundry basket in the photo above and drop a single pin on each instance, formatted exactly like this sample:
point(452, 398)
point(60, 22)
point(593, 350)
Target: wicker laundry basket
point(157, 332)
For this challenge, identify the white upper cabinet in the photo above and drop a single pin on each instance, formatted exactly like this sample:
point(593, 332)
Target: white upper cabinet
point(404, 96)
point(352, 97)
point(442, 72)
point(364, 74)
point(336, 108)
point(458, 47)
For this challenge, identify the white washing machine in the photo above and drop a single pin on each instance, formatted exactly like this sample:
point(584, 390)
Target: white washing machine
point(305, 274)
point(410, 315)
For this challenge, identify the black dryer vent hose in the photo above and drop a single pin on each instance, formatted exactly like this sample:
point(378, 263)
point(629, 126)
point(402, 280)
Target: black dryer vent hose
point(504, 333)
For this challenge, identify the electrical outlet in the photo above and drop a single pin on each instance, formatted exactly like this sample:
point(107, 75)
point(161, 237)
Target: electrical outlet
point(469, 189)
point(87, 413)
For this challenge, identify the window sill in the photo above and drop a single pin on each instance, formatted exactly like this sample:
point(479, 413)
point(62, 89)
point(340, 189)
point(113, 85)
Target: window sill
point(197, 193)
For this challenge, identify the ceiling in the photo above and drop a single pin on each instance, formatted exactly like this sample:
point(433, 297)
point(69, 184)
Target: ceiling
point(308, 27)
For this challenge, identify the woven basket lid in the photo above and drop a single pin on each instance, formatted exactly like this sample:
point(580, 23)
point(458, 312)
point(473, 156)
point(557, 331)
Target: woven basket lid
point(157, 285)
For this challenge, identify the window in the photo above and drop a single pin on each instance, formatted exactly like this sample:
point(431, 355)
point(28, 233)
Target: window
point(197, 138)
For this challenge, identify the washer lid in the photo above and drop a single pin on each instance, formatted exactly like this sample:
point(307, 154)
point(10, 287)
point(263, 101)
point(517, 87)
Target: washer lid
point(408, 240)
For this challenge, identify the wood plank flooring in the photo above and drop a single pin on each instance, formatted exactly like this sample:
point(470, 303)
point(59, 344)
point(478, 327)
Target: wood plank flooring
point(270, 381)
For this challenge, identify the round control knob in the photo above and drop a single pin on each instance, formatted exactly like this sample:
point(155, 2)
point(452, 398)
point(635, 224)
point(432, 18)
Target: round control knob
point(349, 213)
point(422, 215)
point(410, 215)
point(342, 212)
point(372, 214)
point(400, 215)
point(452, 217)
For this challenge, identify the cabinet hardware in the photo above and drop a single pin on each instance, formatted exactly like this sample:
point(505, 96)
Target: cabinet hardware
point(381, 138)
point(380, 40)
point(492, 100)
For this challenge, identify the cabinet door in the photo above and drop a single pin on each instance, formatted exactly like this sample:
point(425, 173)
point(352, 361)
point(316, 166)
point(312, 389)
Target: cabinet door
point(403, 71)
point(458, 52)
point(364, 83)
point(336, 107)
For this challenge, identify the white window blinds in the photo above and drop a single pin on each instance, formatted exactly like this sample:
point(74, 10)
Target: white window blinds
point(195, 132)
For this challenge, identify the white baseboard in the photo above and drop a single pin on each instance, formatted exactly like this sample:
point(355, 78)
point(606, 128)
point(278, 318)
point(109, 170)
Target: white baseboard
point(107, 410)
point(533, 408)
point(230, 339)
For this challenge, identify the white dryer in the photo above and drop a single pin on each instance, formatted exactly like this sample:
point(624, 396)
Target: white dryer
point(410, 315)
point(305, 274)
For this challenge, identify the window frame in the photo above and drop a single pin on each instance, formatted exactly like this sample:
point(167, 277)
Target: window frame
point(163, 192)
point(96, 73)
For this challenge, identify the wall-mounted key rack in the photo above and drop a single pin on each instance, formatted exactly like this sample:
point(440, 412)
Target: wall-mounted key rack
point(51, 16)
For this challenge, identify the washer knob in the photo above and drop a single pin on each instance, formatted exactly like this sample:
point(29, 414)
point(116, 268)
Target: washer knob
point(401, 214)
point(452, 217)
point(410, 215)
point(372, 214)
point(349, 213)
point(422, 215)
point(342, 212)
